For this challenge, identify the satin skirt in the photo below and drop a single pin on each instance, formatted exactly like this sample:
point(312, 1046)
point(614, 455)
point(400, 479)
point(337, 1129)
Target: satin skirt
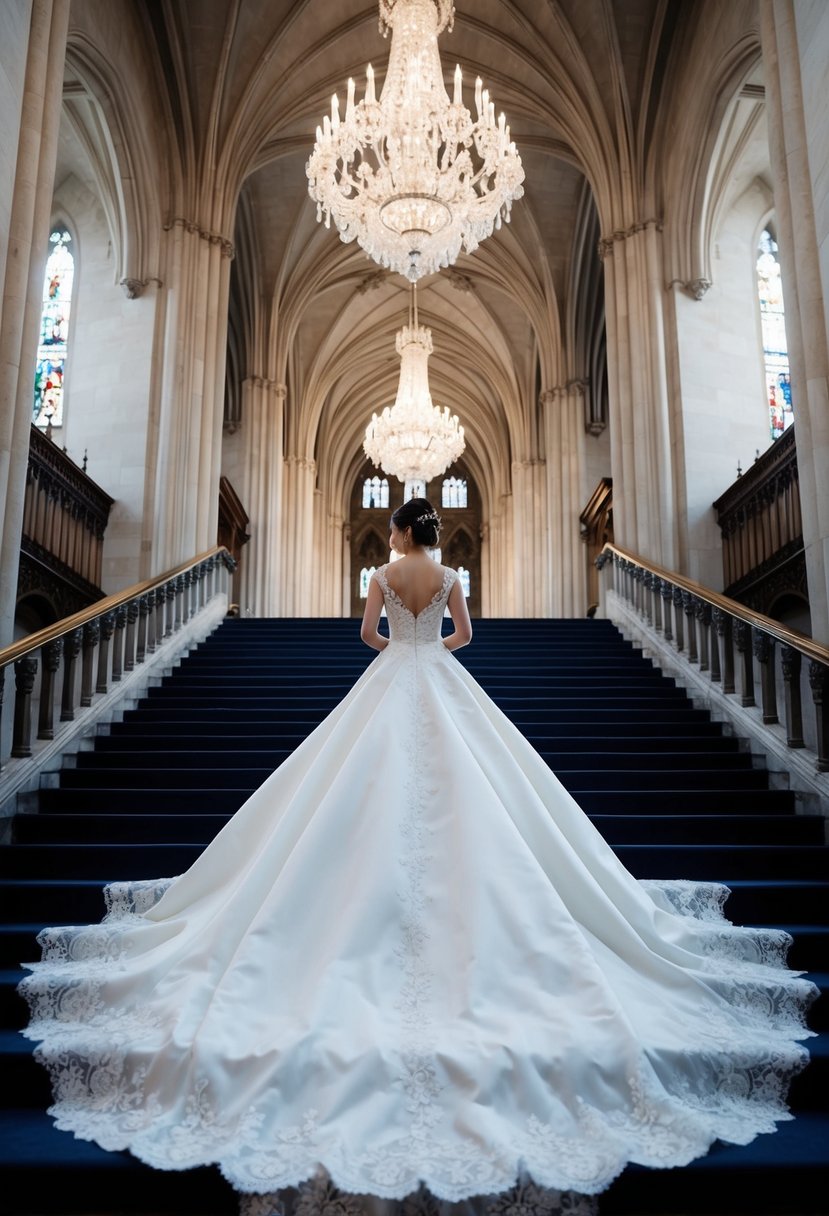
point(410, 966)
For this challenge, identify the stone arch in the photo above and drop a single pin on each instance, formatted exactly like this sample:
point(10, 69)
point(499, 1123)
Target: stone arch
point(369, 549)
point(461, 549)
point(697, 167)
point(130, 188)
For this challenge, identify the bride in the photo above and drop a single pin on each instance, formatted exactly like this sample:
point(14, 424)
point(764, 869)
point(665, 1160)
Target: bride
point(410, 964)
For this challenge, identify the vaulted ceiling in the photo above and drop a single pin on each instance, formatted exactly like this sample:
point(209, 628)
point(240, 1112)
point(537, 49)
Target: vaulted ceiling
point(241, 86)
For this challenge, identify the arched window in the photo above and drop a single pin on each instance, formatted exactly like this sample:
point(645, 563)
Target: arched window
point(775, 348)
point(463, 575)
point(54, 333)
point(375, 492)
point(365, 579)
point(414, 488)
point(453, 493)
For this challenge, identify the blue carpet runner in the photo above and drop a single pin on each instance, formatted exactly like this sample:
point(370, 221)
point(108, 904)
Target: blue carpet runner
point(673, 795)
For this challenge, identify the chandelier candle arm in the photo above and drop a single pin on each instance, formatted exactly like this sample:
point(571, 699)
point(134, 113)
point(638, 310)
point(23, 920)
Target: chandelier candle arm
point(411, 177)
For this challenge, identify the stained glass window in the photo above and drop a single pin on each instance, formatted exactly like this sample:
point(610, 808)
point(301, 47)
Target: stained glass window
point(54, 332)
point(453, 493)
point(375, 492)
point(775, 349)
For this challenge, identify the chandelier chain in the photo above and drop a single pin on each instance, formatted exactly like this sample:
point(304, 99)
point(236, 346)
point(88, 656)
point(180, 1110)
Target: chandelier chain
point(414, 439)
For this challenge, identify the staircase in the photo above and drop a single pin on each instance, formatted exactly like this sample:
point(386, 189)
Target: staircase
point(672, 794)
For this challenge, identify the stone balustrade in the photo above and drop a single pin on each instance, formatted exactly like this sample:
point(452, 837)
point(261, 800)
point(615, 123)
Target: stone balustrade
point(86, 654)
point(769, 670)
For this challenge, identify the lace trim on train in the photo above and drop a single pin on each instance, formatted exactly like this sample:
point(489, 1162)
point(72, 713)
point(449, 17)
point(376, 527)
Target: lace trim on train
point(98, 1062)
point(704, 903)
point(320, 1197)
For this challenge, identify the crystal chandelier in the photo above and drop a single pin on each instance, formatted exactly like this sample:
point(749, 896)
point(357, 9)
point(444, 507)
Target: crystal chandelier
point(412, 177)
point(413, 439)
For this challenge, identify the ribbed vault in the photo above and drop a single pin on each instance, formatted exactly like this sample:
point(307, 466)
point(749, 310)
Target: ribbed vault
point(629, 140)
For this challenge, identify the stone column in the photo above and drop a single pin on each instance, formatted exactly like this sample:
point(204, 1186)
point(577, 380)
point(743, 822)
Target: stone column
point(346, 573)
point(562, 411)
point(530, 532)
point(28, 162)
point(329, 559)
point(798, 136)
point(486, 598)
point(499, 539)
point(298, 536)
point(188, 461)
point(262, 420)
point(323, 558)
point(642, 448)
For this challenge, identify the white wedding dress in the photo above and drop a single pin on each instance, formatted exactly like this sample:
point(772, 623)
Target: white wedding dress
point(410, 963)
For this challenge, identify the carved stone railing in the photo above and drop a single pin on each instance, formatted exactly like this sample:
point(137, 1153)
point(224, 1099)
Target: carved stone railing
point(61, 669)
point(779, 675)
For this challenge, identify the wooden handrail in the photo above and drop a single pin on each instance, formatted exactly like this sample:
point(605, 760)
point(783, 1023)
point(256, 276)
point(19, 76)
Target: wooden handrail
point(109, 603)
point(790, 637)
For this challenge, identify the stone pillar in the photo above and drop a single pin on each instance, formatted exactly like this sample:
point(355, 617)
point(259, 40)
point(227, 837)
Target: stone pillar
point(188, 462)
point(487, 598)
point(298, 536)
point(27, 160)
point(642, 446)
point(262, 419)
point(562, 412)
point(346, 573)
point(329, 561)
point(530, 532)
point(500, 543)
point(795, 40)
point(324, 557)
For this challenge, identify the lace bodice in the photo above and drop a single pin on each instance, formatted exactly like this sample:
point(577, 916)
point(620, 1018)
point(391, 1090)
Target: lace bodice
point(404, 626)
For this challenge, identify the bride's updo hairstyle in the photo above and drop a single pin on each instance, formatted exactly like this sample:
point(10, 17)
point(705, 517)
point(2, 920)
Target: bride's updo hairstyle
point(424, 521)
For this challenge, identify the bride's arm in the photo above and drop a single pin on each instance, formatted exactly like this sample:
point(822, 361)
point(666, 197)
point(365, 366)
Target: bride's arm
point(371, 617)
point(459, 612)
